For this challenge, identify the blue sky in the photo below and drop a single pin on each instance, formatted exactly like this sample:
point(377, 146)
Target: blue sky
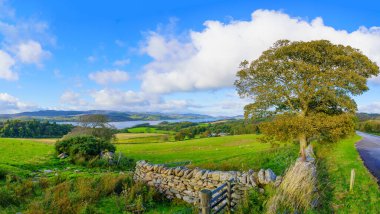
point(164, 56)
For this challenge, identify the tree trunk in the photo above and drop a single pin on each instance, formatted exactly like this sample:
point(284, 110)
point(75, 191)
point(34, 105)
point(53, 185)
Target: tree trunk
point(303, 142)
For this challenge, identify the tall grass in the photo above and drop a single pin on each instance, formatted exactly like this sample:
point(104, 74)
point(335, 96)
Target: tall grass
point(297, 191)
point(66, 195)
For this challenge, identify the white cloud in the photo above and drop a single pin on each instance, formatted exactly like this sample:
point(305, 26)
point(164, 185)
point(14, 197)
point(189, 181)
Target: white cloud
point(72, 98)
point(6, 64)
point(10, 104)
point(23, 39)
point(116, 98)
point(210, 58)
point(137, 101)
point(17, 30)
point(31, 52)
point(373, 107)
point(121, 62)
point(111, 76)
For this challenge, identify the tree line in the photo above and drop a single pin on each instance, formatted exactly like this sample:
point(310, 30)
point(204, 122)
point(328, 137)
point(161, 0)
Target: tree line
point(33, 129)
point(190, 130)
point(370, 126)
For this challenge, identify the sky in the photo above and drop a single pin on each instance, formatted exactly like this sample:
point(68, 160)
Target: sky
point(161, 56)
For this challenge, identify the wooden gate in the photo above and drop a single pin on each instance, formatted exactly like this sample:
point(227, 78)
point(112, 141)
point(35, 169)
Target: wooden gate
point(217, 200)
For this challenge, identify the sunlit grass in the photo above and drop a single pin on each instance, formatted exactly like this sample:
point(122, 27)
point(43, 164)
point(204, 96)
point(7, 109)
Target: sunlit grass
point(224, 153)
point(335, 164)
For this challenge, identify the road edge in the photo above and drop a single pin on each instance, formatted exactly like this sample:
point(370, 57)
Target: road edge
point(364, 162)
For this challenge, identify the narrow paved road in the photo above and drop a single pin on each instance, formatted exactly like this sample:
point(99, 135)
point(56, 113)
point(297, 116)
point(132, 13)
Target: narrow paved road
point(369, 149)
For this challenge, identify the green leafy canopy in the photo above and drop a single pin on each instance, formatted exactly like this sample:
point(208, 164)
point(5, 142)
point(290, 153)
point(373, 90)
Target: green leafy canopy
point(304, 79)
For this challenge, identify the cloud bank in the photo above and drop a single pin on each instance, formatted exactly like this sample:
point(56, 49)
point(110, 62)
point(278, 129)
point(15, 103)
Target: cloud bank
point(111, 76)
point(210, 58)
point(22, 41)
point(6, 64)
point(10, 104)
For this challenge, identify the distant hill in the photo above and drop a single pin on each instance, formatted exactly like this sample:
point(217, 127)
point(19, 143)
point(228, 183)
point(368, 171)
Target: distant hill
point(368, 116)
point(114, 116)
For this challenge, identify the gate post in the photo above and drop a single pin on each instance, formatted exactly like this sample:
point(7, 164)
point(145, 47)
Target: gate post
point(229, 196)
point(205, 196)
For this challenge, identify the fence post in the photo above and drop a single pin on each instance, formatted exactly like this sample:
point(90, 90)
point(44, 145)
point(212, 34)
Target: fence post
point(352, 180)
point(205, 196)
point(229, 196)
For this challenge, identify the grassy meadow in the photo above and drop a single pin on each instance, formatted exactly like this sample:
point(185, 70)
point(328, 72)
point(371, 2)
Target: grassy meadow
point(19, 155)
point(238, 152)
point(27, 161)
point(139, 138)
point(33, 180)
point(29, 158)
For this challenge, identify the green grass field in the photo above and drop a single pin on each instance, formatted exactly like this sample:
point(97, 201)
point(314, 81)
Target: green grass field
point(29, 158)
point(17, 155)
point(140, 138)
point(335, 164)
point(147, 130)
point(239, 152)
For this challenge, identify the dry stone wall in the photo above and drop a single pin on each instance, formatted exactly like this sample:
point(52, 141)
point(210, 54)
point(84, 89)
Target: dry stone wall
point(185, 184)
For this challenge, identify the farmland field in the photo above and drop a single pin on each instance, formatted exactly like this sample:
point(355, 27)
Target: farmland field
point(32, 158)
point(239, 152)
point(137, 138)
point(20, 151)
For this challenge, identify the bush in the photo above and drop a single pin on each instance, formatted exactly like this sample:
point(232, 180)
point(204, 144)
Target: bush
point(370, 126)
point(254, 201)
point(83, 147)
point(3, 174)
point(7, 198)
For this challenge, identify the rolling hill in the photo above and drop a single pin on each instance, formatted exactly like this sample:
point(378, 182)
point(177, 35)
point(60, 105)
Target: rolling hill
point(114, 116)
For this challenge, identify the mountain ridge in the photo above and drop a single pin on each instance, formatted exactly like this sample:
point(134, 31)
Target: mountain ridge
point(113, 116)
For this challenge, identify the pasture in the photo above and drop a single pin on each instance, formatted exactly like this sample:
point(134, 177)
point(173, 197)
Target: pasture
point(15, 154)
point(239, 152)
point(138, 138)
point(30, 158)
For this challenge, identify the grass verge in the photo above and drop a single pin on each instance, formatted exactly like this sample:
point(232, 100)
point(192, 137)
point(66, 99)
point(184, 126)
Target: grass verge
point(335, 162)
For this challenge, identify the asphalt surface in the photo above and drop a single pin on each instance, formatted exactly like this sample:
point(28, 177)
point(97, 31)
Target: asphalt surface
point(369, 150)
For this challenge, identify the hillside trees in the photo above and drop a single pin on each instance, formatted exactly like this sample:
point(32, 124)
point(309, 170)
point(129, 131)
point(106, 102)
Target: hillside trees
point(370, 126)
point(33, 129)
point(306, 87)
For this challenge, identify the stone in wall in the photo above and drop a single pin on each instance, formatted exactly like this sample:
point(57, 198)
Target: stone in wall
point(185, 184)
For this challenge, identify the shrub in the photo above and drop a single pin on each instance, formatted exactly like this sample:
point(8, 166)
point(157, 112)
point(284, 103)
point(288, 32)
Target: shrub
point(3, 174)
point(7, 198)
point(118, 161)
point(25, 188)
point(44, 183)
point(86, 147)
point(253, 201)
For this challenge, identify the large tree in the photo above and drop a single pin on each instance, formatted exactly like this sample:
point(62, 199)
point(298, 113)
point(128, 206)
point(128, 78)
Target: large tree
point(306, 88)
point(94, 124)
